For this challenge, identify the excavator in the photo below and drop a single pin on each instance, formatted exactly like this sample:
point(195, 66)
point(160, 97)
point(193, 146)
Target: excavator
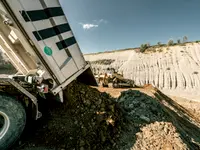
point(37, 38)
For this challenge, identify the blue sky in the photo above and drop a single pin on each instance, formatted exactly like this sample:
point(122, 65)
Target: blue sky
point(101, 25)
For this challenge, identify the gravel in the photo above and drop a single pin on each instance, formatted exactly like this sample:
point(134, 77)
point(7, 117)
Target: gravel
point(159, 135)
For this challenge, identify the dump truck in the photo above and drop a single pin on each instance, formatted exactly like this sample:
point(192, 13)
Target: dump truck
point(37, 38)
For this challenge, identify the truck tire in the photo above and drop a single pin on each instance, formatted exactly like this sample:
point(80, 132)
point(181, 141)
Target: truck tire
point(12, 120)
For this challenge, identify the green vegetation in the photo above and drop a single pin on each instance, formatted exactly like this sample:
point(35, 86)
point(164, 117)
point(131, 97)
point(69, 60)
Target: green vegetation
point(179, 41)
point(170, 43)
point(185, 38)
point(143, 47)
point(159, 43)
point(148, 47)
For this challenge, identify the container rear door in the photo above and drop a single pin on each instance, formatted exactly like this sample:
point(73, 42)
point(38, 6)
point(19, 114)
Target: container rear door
point(45, 23)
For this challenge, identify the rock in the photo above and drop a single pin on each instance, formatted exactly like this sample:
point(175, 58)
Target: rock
point(93, 106)
point(112, 107)
point(88, 103)
point(143, 106)
point(84, 131)
point(131, 106)
point(82, 92)
point(102, 105)
point(103, 138)
point(166, 130)
point(102, 109)
point(98, 102)
point(81, 143)
point(145, 118)
point(82, 148)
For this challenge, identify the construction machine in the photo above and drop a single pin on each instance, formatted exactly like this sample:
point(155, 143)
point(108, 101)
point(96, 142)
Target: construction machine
point(38, 40)
point(113, 79)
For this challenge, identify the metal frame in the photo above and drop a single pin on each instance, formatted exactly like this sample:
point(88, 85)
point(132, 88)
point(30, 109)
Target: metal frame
point(25, 92)
point(69, 80)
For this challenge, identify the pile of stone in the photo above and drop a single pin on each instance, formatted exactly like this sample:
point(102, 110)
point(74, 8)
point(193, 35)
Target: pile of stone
point(150, 124)
point(141, 108)
point(159, 135)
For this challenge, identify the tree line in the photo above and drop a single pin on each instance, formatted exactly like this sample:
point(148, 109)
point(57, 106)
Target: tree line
point(171, 42)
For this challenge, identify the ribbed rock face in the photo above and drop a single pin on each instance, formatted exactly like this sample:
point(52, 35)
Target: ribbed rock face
point(168, 68)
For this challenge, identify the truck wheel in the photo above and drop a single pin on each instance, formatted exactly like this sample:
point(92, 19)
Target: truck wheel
point(12, 121)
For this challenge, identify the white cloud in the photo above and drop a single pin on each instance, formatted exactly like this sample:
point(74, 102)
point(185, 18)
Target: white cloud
point(88, 26)
point(95, 24)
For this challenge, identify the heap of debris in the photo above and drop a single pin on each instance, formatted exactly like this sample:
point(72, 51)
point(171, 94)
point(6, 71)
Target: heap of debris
point(91, 120)
point(159, 135)
point(141, 108)
point(96, 114)
point(150, 124)
point(87, 120)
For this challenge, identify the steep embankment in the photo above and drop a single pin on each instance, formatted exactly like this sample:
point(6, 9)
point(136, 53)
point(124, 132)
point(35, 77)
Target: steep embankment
point(175, 69)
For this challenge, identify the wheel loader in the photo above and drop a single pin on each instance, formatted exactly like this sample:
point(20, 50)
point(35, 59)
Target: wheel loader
point(113, 80)
point(37, 38)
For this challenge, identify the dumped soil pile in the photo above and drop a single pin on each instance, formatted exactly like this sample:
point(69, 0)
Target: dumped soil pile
point(86, 120)
point(91, 120)
point(141, 108)
point(156, 123)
